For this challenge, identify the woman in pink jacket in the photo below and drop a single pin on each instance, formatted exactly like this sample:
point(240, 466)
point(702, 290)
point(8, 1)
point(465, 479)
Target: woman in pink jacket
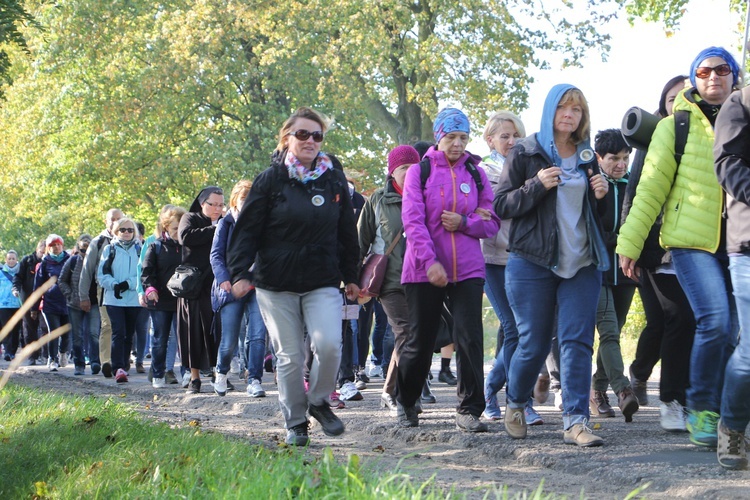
point(447, 208)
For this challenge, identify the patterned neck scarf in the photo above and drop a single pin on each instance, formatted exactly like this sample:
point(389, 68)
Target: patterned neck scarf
point(302, 173)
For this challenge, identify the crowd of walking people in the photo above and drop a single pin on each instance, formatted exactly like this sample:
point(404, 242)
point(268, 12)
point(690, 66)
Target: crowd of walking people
point(557, 231)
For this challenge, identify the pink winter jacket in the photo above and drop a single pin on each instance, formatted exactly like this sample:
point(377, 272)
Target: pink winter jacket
point(427, 242)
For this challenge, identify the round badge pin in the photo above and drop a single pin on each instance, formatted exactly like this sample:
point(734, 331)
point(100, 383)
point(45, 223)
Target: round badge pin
point(465, 188)
point(586, 155)
point(318, 200)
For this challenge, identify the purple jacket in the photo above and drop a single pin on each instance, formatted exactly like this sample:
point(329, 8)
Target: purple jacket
point(427, 242)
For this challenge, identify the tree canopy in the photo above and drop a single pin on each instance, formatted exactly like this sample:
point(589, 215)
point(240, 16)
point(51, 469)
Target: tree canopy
point(134, 104)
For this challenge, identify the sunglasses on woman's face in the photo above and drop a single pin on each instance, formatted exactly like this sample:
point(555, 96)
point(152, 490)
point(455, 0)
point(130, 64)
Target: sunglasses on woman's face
point(126, 230)
point(303, 135)
point(704, 71)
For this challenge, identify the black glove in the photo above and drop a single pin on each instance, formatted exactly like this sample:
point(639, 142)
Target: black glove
point(121, 287)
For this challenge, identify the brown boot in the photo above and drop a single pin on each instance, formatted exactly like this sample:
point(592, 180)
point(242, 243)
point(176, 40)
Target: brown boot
point(628, 403)
point(599, 404)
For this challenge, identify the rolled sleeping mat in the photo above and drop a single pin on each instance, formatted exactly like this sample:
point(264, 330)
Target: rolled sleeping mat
point(638, 126)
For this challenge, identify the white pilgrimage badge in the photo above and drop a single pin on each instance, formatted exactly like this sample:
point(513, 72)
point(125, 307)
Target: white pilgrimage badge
point(465, 188)
point(318, 200)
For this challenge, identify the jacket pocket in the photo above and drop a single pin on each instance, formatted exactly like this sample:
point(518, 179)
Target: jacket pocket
point(672, 213)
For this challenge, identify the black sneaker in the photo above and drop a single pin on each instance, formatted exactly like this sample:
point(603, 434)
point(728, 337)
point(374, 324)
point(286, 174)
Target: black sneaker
point(407, 415)
point(469, 423)
point(297, 435)
point(194, 387)
point(107, 369)
point(95, 368)
point(331, 424)
point(171, 378)
point(427, 395)
point(446, 376)
point(230, 387)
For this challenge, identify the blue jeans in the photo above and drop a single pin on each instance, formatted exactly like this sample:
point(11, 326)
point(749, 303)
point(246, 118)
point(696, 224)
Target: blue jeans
point(494, 288)
point(705, 280)
point(735, 398)
point(124, 321)
point(534, 293)
point(172, 346)
point(164, 324)
point(378, 333)
point(77, 325)
point(141, 335)
point(55, 321)
point(255, 335)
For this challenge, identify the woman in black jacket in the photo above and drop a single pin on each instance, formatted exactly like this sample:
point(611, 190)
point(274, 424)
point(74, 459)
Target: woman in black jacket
point(297, 229)
point(162, 257)
point(198, 349)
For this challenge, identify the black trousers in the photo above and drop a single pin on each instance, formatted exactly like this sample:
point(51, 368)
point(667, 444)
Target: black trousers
point(648, 350)
point(424, 300)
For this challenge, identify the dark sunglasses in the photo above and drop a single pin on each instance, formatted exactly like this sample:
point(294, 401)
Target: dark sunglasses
point(303, 135)
point(126, 230)
point(704, 71)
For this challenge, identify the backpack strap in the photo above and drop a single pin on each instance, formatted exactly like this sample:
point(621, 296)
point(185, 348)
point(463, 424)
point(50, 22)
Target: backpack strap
point(681, 128)
point(424, 172)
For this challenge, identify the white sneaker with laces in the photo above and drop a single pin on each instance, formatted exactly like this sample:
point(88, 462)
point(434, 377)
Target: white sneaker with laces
point(63, 359)
point(234, 365)
point(349, 392)
point(672, 416)
point(220, 384)
point(255, 390)
point(375, 371)
point(53, 366)
point(158, 383)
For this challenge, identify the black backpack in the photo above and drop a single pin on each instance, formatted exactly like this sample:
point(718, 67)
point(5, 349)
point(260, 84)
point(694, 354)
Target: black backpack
point(425, 167)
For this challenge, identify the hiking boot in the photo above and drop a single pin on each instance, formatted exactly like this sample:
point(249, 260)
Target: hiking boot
point(672, 416)
point(297, 435)
point(170, 377)
point(491, 407)
point(139, 368)
point(599, 404)
point(640, 388)
point(446, 376)
point(107, 369)
point(387, 401)
point(628, 403)
point(731, 450)
point(702, 427)
point(255, 390)
point(541, 389)
point(581, 435)
point(531, 416)
point(331, 424)
point(194, 386)
point(334, 401)
point(96, 368)
point(121, 376)
point(349, 392)
point(407, 415)
point(515, 422)
point(220, 384)
point(427, 395)
point(470, 423)
point(158, 383)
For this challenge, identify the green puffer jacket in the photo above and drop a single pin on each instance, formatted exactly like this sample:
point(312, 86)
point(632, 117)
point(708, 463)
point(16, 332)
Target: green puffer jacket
point(377, 235)
point(692, 201)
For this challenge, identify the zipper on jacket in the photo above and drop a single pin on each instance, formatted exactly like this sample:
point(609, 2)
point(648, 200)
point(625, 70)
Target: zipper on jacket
point(453, 236)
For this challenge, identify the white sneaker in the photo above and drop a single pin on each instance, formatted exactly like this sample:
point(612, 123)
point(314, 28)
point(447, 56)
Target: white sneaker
point(255, 390)
point(349, 392)
point(220, 384)
point(234, 366)
point(375, 371)
point(559, 400)
point(53, 366)
point(158, 383)
point(672, 416)
point(186, 380)
point(63, 359)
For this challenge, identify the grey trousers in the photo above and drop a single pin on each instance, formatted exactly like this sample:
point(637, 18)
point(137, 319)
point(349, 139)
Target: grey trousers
point(287, 315)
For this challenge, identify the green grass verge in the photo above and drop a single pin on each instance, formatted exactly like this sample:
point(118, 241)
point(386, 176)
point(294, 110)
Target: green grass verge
point(60, 446)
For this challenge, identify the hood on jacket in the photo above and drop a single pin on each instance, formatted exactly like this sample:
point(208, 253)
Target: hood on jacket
point(439, 157)
point(546, 134)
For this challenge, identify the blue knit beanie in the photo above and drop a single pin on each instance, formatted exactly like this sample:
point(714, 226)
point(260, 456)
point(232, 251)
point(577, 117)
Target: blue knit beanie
point(449, 120)
point(715, 52)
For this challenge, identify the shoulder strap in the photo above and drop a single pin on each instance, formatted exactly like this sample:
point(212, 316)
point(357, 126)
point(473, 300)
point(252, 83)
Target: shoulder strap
point(7, 275)
point(107, 267)
point(424, 172)
point(157, 246)
point(681, 128)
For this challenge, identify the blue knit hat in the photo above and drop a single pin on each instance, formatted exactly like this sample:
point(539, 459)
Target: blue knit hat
point(449, 120)
point(715, 52)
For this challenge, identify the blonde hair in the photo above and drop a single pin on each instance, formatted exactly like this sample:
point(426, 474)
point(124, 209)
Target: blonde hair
point(575, 96)
point(123, 220)
point(239, 190)
point(502, 116)
point(169, 214)
point(302, 112)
